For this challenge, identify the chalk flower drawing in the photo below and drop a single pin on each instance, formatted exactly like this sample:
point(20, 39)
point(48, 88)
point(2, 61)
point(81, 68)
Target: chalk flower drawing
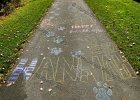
point(50, 34)
point(76, 53)
point(56, 51)
point(58, 40)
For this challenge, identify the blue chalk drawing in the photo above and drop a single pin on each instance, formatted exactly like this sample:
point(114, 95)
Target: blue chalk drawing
point(18, 70)
point(58, 40)
point(50, 34)
point(29, 70)
point(77, 53)
point(102, 91)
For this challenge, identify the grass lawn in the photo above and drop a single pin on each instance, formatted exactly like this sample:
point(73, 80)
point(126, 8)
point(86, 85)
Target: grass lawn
point(16, 28)
point(121, 19)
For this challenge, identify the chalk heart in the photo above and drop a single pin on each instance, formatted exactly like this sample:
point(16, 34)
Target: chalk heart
point(102, 91)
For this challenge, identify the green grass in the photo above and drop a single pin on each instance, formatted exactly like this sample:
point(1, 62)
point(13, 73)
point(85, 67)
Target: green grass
point(16, 28)
point(121, 19)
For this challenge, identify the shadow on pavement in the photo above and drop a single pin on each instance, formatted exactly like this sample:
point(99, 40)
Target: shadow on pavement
point(137, 1)
point(13, 92)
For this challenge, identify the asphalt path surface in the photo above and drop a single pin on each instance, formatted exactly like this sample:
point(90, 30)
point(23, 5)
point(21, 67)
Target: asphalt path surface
point(71, 57)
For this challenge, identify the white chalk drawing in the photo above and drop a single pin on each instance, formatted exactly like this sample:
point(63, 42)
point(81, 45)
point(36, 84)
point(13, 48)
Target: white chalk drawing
point(86, 31)
point(77, 71)
point(81, 26)
point(61, 28)
point(56, 51)
point(102, 91)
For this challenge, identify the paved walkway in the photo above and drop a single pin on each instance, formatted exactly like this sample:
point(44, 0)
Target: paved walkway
point(71, 57)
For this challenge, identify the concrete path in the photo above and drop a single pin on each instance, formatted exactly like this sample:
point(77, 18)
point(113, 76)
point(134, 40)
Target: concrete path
point(71, 57)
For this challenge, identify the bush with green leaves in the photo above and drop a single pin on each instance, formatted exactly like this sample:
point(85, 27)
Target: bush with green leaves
point(7, 6)
point(16, 3)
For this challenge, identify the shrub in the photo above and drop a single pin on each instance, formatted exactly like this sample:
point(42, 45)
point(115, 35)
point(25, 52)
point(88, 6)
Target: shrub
point(8, 8)
point(137, 1)
point(2, 11)
point(16, 3)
